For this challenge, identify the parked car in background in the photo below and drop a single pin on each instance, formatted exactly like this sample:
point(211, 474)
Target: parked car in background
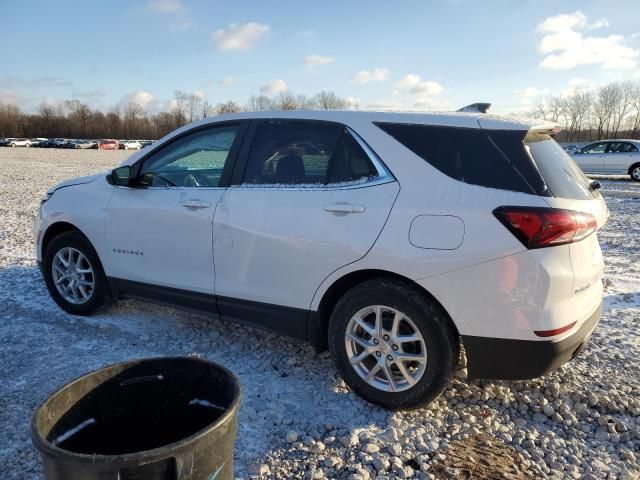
point(108, 144)
point(4, 142)
point(20, 142)
point(83, 144)
point(132, 145)
point(612, 157)
point(490, 243)
point(121, 144)
point(571, 149)
point(145, 143)
point(35, 142)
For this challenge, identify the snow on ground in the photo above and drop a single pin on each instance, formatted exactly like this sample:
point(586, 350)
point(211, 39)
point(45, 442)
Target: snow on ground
point(297, 419)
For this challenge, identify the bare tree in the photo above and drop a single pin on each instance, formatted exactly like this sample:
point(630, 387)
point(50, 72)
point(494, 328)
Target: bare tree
point(79, 113)
point(286, 101)
point(259, 103)
point(132, 112)
point(194, 103)
point(207, 108)
point(179, 99)
point(329, 101)
point(228, 107)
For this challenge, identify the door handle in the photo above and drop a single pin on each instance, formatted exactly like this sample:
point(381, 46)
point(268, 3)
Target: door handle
point(195, 204)
point(344, 208)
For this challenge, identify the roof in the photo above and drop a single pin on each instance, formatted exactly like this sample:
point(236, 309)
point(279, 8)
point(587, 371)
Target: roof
point(457, 119)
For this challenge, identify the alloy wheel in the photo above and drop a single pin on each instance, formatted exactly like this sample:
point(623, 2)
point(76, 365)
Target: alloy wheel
point(385, 348)
point(73, 275)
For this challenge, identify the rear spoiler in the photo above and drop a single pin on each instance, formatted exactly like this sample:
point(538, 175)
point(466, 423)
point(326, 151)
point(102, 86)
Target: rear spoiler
point(548, 128)
point(476, 108)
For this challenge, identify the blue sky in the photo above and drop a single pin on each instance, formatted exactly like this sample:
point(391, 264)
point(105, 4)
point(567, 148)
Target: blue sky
point(418, 55)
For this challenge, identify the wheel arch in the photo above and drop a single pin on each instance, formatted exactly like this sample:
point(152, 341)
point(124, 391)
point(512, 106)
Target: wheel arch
point(632, 167)
point(56, 229)
point(319, 321)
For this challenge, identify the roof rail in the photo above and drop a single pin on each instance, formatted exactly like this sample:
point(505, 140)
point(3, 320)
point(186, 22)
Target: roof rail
point(476, 108)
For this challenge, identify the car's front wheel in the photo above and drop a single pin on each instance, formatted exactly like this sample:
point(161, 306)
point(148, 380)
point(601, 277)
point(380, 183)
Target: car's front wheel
point(393, 344)
point(634, 172)
point(74, 275)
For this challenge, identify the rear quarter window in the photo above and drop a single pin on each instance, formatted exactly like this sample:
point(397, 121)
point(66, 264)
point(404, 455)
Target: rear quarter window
point(473, 155)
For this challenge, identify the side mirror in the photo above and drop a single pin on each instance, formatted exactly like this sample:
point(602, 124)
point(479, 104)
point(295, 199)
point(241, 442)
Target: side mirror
point(120, 176)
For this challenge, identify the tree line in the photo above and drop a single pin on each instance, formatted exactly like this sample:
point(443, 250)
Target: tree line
point(74, 119)
point(610, 111)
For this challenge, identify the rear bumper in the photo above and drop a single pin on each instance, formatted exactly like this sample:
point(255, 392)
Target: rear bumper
point(507, 359)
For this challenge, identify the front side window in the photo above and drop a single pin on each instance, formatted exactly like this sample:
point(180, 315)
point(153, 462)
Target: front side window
point(306, 153)
point(194, 160)
point(600, 147)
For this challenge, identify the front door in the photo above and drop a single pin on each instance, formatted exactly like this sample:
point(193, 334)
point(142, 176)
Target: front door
point(310, 200)
point(160, 231)
point(591, 158)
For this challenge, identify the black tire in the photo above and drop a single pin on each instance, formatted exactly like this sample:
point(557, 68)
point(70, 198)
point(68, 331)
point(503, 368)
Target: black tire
point(631, 172)
point(440, 337)
point(100, 293)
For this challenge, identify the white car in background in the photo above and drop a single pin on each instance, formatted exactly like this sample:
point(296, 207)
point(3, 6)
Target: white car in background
point(20, 142)
point(390, 238)
point(611, 157)
point(132, 145)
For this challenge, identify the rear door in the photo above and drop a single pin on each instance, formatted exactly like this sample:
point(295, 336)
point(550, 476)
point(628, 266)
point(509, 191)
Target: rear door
point(309, 197)
point(620, 156)
point(591, 158)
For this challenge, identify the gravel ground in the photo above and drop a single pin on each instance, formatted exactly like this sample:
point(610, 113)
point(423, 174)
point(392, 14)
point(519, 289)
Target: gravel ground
point(298, 420)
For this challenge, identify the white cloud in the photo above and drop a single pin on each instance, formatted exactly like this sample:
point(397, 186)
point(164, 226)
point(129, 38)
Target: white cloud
point(143, 98)
point(375, 75)
point(600, 23)
point(166, 6)
point(531, 92)
point(528, 95)
point(276, 86)
point(566, 47)
point(317, 60)
point(240, 37)
point(228, 80)
point(408, 81)
point(416, 86)
point(352, 103)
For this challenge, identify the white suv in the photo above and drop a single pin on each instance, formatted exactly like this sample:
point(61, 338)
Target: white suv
point(391, 238)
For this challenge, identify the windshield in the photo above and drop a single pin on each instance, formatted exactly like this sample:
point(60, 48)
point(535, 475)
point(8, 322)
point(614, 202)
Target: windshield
point(562, 175)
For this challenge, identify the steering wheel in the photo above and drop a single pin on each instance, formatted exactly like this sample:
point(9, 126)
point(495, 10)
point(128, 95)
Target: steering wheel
point(195, 180)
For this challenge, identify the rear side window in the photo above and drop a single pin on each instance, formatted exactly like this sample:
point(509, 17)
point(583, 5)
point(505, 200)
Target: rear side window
point(300, 152)
point(621, 147)
point(492, 159)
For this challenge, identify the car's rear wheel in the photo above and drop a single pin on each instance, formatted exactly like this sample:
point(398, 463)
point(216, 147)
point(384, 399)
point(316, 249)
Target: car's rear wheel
point(74, 275)
point(634, 172)
point(393, 344)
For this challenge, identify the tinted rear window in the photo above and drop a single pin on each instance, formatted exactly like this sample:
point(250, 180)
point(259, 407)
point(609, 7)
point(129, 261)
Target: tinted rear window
point(562, 174)
point(494, 158)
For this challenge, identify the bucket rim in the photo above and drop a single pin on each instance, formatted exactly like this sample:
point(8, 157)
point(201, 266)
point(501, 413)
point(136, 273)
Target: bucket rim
point(44, 446)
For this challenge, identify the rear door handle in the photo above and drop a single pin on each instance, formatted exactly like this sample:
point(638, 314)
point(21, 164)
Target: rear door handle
point(195, 204)
point(344, 208)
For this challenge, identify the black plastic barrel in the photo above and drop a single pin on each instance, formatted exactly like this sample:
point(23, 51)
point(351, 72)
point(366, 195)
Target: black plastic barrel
point(151, 419)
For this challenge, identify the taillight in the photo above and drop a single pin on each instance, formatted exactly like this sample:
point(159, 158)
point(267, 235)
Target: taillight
point(539, 227)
